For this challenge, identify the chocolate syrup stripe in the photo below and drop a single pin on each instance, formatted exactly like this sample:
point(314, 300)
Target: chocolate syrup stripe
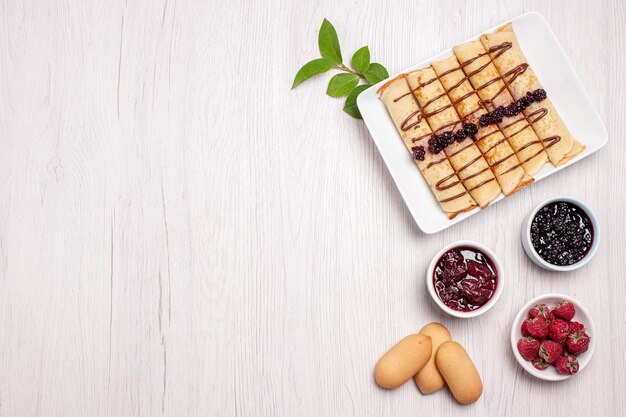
point(454, 197)
point(440, 184)
point(500, 49)
point(513, 74)
point(503, 47)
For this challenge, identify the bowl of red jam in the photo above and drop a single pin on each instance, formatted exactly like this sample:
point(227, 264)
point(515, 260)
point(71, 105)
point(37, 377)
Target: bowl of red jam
point(561, 234)
point(465, 279)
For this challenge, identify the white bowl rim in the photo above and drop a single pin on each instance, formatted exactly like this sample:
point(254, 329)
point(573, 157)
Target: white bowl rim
point(594, 245)
point(485, 307)
point(516, 334)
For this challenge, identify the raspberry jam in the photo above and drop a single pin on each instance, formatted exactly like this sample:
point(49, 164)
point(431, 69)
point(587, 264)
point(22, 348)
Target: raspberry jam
point(465, 278)
point(561, 233)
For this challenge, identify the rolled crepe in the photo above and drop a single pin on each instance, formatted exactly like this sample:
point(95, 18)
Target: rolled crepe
point(521, 78)
point(494, 146)
point(465, 157)
point(485, 78)
point(436, 169)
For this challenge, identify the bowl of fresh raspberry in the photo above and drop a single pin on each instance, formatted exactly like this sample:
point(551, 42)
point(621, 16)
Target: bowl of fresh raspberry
point(553, 337)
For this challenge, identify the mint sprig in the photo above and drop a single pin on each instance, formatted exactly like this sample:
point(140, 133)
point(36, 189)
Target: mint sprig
point(347, 82)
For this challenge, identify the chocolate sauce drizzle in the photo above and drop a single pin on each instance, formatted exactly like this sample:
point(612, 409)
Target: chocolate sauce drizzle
point(507, 78)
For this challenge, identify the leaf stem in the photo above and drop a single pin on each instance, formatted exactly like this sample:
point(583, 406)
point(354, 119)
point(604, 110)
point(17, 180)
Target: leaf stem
point(351, 71)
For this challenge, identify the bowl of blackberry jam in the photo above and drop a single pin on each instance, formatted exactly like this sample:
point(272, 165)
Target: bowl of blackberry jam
point(561, 234)
point(465, 279)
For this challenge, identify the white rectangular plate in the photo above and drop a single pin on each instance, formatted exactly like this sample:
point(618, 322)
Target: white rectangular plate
point(555, 73)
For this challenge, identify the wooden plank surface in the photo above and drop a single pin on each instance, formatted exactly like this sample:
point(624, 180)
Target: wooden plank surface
point(182, 234)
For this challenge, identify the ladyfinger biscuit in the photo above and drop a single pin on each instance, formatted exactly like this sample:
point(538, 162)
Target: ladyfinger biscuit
point(459, 372)
point(403, 361)
point(428, 379)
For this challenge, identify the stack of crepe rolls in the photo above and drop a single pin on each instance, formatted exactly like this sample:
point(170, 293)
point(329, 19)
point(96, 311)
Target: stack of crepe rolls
point(434, 360)
point(521, 78)
point(492, 90)
point(481, 76)
point(436, 169)
point(465, 157)
point(498, 152)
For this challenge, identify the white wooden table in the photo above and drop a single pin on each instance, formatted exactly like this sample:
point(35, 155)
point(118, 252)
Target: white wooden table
point(181, 234)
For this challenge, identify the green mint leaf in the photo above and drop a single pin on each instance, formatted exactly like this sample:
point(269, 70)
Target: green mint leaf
point(341, 84)
point(376, 73)
point(361, 60)
point(350, 106)
point(329, 43)
point(311, 68)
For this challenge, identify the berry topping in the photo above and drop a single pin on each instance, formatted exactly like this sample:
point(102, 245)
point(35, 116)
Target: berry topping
point(440, 141)
point(470, 128)
point(510, 110)
point(460, 135)
point(519, 106)
point(498, 112)
point(434, 145)
point(525, 102)
point(447, 138)
point(485, 120)
point(418, 152)
point(539, 95)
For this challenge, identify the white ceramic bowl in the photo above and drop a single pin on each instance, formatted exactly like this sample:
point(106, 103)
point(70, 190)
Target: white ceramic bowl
point(499, 288)
point(534, 256)
point(582, 316)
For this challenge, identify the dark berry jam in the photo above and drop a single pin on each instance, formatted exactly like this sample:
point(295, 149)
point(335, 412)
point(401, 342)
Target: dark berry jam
point(465, 278)
point(561, 233)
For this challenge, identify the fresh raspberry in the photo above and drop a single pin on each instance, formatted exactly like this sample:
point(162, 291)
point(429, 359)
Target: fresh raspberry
point(524, 329)
point(558, 330)
point(540, 310)
point(564, 310)
point(528, 347)
point(540, 364)
point(537, 327)
point(578, 342)
point(550, 351)
point(567, 365)
point(576, 327)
